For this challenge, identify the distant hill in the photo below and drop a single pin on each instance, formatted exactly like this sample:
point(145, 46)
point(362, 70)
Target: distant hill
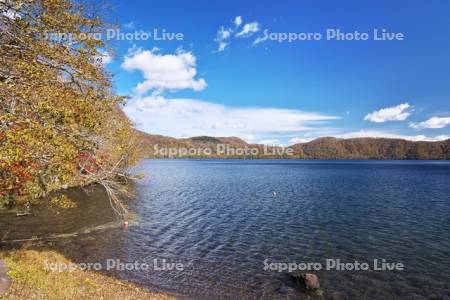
point(372, 148)
point(321, 148)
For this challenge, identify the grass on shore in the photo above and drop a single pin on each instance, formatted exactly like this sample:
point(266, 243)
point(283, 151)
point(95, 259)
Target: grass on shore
point(32, 280)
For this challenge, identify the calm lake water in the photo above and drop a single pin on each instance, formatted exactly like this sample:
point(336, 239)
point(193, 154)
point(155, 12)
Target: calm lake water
point(222, 221)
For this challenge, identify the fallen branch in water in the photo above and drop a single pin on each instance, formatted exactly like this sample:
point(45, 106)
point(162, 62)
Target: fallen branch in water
point(114, 189)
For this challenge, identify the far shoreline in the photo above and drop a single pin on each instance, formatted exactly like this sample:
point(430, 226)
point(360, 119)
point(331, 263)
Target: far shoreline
point(296, 158)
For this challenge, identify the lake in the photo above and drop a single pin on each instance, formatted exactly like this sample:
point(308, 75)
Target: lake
point(222, 229)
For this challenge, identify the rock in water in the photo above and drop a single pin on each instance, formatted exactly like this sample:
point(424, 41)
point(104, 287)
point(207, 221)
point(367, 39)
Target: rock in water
point(311, 281)
point(5, 281)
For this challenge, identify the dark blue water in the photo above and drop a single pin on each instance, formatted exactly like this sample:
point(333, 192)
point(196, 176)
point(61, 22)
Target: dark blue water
point(221, 219)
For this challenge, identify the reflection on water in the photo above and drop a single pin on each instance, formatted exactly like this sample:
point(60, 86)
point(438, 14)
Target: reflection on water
point(221, 220)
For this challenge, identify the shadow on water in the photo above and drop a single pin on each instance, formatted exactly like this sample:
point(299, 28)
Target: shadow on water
point(48, 222)
point(64, 230)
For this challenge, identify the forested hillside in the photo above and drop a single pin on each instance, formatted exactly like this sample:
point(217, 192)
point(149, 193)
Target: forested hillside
point(322, 148)
point(372, 148)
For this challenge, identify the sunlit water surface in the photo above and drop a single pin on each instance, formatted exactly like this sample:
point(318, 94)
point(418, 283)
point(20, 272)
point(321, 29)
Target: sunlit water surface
point(221, 220)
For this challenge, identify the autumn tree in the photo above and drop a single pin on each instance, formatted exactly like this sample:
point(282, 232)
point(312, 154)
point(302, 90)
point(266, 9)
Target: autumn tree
point(60, 124)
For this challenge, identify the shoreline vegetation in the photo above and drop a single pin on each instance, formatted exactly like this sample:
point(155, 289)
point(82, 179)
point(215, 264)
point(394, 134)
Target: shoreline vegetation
point(31, 280)
point(61, 124)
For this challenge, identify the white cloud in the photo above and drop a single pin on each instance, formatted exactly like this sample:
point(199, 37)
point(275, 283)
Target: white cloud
point(395, 113)
point(249, 138)
point(222, 46)
point(189, 117)
point(260, 39)
point(104, 58)
point(434, 122)
point(237, 21)
point(389, 135)
point(222, 35)
point(442, 137)
point(164, 72)
point(269, 142)
point(297, 140)
point(248, 29)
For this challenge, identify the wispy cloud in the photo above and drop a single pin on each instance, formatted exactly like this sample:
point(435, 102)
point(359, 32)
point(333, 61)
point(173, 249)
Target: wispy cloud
point(260, 39)
point(190, 117)
point(394, 113)
point(432, 123)
point(248, 29)
point(221, 38)
point(226, 33)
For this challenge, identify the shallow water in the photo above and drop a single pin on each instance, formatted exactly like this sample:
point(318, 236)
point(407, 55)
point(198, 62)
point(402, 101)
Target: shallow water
point(221, 220)
point(48, 222)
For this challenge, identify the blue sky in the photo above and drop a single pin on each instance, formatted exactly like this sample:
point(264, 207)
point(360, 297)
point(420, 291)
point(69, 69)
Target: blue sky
point(218, 81)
